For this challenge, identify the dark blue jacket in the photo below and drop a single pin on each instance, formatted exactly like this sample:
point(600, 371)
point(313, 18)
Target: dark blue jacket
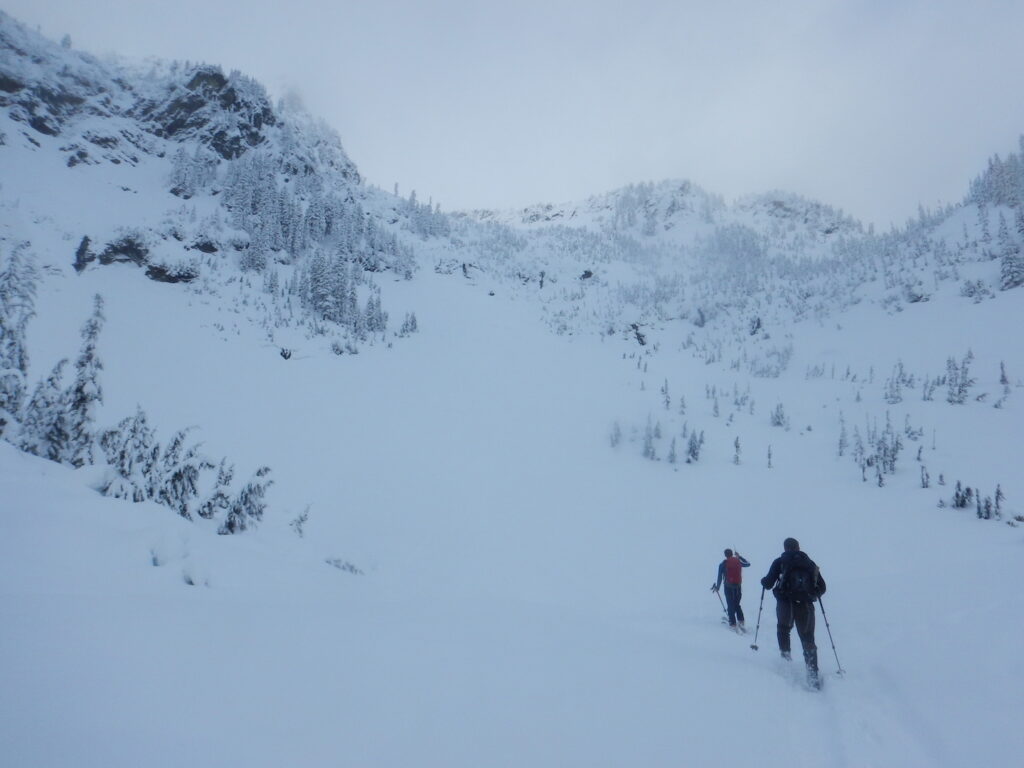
point(787, 560)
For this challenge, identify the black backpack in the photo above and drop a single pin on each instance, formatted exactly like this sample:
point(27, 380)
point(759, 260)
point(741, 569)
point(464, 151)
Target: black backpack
point(799, 579)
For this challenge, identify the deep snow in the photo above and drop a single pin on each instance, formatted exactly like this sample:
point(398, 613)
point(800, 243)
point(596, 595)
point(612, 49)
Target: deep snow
point(529, 595)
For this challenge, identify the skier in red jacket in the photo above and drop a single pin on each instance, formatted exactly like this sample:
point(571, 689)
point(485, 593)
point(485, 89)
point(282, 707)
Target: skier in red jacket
point(730, 570)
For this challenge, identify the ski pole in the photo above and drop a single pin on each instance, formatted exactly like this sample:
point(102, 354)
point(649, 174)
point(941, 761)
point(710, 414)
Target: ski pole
point(720, 600)
point(822, 604)
point(758, 627)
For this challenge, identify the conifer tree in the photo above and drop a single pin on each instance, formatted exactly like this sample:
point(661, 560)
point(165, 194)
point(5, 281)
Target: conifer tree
point(965, 381)
point(132, 454)
point(180, 470)
point(1011, 266)
point(615, 437)
point(85, 393)
point(18, 278)
point(247, 508)
point(44, 430)
point(778, 417)
point(321, 296)
point(952, 381)
point(1003, 240)
point(218, 500)
point(693, 449)
point(648, 449)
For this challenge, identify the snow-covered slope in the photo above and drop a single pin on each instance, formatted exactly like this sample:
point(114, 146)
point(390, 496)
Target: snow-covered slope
point(528, 594)
point(477, 549)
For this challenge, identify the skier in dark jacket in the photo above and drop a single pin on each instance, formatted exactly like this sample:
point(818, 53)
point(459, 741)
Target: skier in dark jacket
point(796, 582)
point(730, 570)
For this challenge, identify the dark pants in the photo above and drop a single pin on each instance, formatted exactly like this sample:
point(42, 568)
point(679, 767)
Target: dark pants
point(802, 615)
point(733, 593)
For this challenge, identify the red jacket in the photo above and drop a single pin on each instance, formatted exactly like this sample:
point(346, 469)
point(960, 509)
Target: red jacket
point(731, 570)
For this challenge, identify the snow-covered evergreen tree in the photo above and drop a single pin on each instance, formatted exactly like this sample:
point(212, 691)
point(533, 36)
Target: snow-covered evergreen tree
point(615, 436)
point(779, 418)
point(132, 454)
point(965, 382)
point(18, 279)
point(85, 392)
point(248, 506)
point(952, 381)
point(179, 473)
point(648, 448)
point(44, 428)
point(694, 446)
point(1011, 265)
point(218, 501)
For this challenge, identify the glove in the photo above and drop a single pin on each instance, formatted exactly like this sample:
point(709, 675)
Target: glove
point(714, 587)
point(765, 583)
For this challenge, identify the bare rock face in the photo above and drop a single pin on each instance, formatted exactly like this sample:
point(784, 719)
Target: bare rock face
point(49, 88)
point(229, 115)
point(54, 91)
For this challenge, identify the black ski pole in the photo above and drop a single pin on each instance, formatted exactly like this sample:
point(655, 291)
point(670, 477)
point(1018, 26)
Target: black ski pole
point(758, 627)
point(822, 604)
point(720, 600)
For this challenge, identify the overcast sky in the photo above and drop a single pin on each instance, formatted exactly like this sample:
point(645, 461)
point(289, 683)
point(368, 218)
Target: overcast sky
point(870, 106)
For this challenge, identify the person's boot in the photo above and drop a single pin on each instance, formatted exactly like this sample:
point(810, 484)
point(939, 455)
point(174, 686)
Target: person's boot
point(813, 678)
point(786, 655)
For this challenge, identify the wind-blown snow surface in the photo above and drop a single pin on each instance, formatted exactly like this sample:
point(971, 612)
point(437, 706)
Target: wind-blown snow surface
point(529, 596)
